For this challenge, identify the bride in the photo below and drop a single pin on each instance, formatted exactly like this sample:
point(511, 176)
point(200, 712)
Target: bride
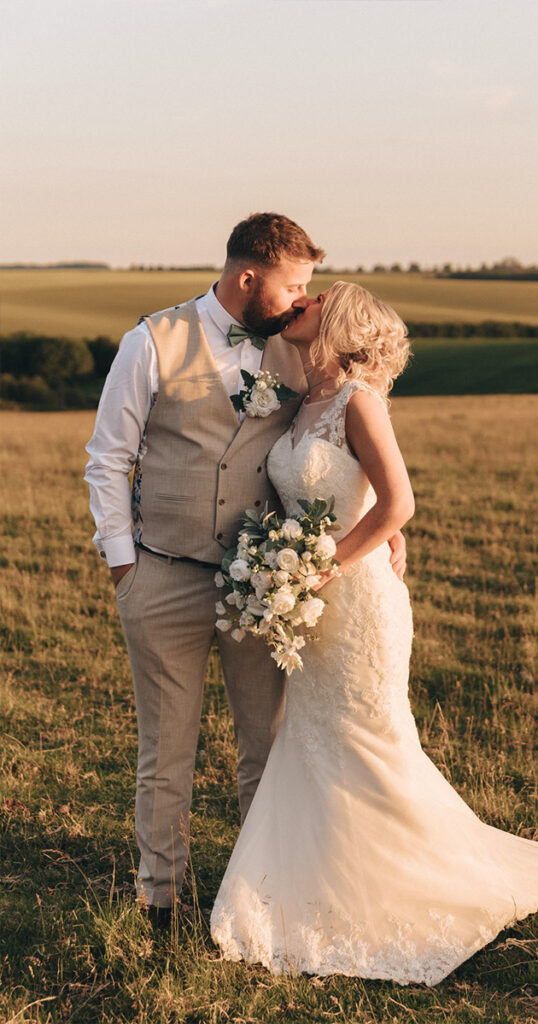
point(357, 857)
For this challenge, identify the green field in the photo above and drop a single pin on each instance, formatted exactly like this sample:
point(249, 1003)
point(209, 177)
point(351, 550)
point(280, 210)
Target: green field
point(72, 947)
point(85, 303)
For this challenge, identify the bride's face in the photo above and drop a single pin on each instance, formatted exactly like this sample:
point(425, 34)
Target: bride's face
point(304, 328)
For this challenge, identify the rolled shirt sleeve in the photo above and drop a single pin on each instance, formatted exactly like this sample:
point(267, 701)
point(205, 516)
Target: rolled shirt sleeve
point(125, 404)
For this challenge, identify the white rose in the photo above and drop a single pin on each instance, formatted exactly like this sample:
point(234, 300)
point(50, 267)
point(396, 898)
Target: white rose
point(291, 529)
point(220, 609)
point(311, 610)
point(288, 560)
point(223, 624)
point(283, 601)
point(235, 599)
point(238, 634)
point(325, 546)
point(219, 579)
point(262, 402)
point(280, 577)
point(239, 570)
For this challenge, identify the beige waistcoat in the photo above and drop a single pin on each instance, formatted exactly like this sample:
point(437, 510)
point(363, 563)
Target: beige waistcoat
point(201, 469)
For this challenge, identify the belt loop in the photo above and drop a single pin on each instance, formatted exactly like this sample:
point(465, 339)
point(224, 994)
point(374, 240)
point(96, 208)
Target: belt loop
point(169, 559)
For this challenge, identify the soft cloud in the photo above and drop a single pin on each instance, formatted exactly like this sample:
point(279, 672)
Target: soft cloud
point(494, 97)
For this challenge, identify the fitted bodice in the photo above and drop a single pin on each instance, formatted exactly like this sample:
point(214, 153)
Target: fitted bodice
point(312, 460)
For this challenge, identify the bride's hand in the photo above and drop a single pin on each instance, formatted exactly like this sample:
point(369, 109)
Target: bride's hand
point(325, 577)
point(398, 557)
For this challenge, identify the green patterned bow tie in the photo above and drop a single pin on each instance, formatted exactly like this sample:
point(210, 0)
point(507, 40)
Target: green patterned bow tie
point(237, 334)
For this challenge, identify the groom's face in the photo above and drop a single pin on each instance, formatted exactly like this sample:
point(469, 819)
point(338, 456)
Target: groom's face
point(270, 294)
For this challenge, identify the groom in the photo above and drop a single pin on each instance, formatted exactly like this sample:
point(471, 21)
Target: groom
point(198, 464)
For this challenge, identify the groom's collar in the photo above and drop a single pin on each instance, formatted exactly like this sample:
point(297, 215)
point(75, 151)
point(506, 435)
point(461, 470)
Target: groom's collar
point(219, 315)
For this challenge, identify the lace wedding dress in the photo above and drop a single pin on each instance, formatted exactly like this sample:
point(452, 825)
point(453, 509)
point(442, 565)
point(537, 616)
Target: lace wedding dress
point(357, 856)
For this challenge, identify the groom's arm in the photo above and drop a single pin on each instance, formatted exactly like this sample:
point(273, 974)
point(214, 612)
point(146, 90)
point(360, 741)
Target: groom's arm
point(398, 557)
point(120, 423)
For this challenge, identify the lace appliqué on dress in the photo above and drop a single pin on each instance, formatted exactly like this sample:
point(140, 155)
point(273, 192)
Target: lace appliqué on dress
point(326, 941)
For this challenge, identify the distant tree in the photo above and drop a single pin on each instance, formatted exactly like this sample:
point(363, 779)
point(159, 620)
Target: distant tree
point(57, 359)
point(413, 268)
point(359, 269)
point(103, 351)
point(396, 268)
point(447, 268)
point(508, 263)
point(379, 269)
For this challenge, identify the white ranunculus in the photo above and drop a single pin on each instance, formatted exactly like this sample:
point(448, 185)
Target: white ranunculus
point(239, 570)
point(238, 634)
point(281, 577)
point(326, 546)
point(219, 579)
point(288, 560)
point(311, 610)
point(262, 402)
point(220, 609)
point(291, 529)
point(283, 601)
point(223, 624)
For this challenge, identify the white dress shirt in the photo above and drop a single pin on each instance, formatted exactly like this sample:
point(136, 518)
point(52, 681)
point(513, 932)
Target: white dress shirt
point(128, 395)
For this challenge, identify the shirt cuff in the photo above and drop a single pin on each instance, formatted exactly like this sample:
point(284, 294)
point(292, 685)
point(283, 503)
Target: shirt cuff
point(116, 550)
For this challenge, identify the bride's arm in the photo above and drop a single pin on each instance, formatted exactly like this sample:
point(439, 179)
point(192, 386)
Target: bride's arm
point(370, 435)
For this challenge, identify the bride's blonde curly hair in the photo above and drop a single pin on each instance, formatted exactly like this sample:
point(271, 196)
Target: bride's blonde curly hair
point(364, 335)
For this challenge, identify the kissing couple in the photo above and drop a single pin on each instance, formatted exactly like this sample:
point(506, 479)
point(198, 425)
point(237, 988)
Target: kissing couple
point(355, 854)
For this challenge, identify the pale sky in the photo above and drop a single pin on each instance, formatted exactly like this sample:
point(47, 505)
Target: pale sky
point(392, 130)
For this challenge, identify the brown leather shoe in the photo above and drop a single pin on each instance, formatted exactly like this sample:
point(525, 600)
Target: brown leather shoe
point(159, 917)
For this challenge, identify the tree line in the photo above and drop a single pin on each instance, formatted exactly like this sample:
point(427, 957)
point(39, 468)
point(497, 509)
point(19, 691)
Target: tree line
point(54, 373)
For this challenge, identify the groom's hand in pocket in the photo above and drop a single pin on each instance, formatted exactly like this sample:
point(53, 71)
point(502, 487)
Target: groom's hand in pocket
point(119, 571)
point(398, 556)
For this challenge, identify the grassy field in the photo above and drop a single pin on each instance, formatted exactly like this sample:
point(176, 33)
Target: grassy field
point(85, 303)
point(72, 948)
point(470, 366)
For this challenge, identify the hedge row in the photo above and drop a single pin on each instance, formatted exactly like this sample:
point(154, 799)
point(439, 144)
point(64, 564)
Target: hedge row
point(64, 373)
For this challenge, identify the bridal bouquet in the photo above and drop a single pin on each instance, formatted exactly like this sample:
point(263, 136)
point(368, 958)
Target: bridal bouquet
point(271, 573)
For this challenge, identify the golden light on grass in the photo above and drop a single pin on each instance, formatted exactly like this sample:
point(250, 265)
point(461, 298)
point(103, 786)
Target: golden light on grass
point(67, 763)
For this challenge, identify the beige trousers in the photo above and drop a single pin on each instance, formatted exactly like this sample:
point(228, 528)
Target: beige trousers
point(168, 616)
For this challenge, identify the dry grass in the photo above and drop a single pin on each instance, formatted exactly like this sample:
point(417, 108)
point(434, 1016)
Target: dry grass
point(85, 303)
point(73, 948)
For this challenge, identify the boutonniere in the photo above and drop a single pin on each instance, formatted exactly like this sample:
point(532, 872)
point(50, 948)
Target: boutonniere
point(262, 394)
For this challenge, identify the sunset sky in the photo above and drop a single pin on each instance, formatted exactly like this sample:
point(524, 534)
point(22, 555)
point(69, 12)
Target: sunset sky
point(392, 130)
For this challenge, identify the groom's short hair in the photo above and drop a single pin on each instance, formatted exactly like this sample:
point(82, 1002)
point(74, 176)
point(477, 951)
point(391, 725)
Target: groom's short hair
point(266, 238)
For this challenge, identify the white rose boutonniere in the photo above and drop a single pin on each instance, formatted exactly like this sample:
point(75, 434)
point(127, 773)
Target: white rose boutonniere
point(261, 395)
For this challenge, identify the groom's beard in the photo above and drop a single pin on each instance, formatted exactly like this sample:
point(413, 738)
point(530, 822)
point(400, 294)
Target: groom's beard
point(256, 316)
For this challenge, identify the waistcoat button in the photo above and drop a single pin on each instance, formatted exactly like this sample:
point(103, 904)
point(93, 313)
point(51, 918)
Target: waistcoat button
point(221, 501)
point(220, 536)
point(223, 465)
point(259, 469)
point(257, 503)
